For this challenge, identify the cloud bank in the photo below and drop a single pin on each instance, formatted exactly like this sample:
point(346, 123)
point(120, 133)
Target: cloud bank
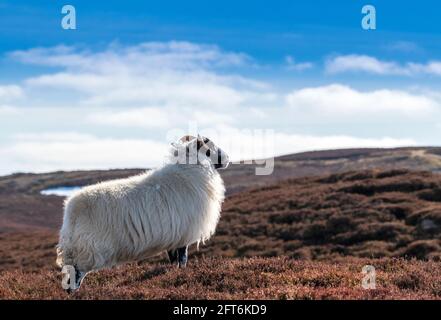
point(114, 107)
point(368, 64)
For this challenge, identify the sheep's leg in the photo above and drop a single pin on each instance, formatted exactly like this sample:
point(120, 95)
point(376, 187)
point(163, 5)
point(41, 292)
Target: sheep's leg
point(182, 256)
point(173, 256)
point(80, 277)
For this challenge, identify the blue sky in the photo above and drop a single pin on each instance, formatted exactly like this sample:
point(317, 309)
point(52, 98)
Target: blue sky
point(133, 71)
point(267, 30)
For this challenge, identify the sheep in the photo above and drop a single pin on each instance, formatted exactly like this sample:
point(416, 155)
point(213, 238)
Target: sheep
point(166, 209)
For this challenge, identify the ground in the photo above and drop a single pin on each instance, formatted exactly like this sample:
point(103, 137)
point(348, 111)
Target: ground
point(239, 278)
point(304, 232)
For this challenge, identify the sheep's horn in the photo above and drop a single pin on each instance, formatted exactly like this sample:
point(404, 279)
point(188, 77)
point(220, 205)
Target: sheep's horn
point(187, 138)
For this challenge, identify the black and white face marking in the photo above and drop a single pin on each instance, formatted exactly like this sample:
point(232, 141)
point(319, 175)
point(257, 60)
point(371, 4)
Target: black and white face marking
point(204, 149)
point(216, 155)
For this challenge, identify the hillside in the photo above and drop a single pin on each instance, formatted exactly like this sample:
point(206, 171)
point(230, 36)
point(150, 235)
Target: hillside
point(363, 214)
point(311, 215)
point(252, 278)
point(369, 213)
point(318, 163)
point(22, 207)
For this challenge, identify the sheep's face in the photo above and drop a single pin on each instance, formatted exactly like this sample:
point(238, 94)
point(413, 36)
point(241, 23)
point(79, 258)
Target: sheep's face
point(202, 150)
point(208, 150)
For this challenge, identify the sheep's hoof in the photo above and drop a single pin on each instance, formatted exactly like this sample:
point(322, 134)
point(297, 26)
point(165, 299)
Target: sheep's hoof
point(71, 291)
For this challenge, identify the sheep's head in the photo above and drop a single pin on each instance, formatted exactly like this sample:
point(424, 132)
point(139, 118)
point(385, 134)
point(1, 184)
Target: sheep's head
point(199, 150)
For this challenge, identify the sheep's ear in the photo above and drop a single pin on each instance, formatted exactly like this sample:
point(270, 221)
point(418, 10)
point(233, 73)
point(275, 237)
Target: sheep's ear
point(174, 144)
point(202, 139)
point(187, 138)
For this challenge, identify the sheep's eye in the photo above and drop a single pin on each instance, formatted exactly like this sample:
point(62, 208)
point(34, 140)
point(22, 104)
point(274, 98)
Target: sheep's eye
point(208, 153)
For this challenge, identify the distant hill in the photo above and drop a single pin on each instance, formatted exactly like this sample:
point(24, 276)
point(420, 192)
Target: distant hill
point(22, 207)
point(316, 163)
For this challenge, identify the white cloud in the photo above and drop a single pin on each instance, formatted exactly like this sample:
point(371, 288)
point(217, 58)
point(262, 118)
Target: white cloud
point(40, 152)
point(364, 63)
point(297, 66)
point(140, 117)
point(6, 110)
point(245, 144)
point(172, 73)
point(404, 46)
point(432, 67)
point(96, 106)
point(288, 143)
point(10, 92)
point(340, 100)
point(174, 54)
point(158, 117)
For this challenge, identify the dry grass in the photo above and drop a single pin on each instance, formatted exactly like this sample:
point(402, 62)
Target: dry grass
point(251, 278)
point(367, 214)
point(27, 250)
point(315, 232)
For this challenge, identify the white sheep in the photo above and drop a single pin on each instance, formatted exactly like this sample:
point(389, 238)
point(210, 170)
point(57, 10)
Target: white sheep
point(166, 209)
